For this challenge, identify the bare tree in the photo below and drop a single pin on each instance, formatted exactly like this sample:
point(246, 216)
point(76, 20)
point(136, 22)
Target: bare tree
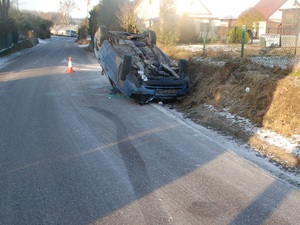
point(15, 4)
point(127, 17)
point(250, 18)
point(4, 8)
point(8, 29)
point(65, 8)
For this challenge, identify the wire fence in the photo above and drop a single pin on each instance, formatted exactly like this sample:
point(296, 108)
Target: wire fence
point(278, 47)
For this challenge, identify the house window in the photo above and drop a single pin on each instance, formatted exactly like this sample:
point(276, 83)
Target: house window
point(204, 27)
point(291, 19)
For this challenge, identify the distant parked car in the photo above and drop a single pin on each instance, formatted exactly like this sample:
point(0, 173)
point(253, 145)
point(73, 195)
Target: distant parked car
point(270, 40)
point(137, 68)
point(71, 33)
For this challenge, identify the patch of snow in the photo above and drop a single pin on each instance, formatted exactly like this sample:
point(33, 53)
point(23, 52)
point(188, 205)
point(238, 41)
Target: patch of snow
point(83, 46)
point(43, 41)
point(235, 147)
point(216, 47)
point(271, 61)
point(273, 138)
point(283, 62)
point(210, 61)
point(6, 59)
point(2, 50)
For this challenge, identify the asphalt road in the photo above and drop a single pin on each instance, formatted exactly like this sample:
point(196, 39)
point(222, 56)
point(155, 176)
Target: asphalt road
point(72, 153)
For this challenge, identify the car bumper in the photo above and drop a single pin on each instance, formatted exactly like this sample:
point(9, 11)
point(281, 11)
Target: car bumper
point(157, 91)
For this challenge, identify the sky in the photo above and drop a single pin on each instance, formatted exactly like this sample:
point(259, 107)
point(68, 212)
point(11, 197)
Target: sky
point(219, 8)
point(53, 6)
point(224, 8)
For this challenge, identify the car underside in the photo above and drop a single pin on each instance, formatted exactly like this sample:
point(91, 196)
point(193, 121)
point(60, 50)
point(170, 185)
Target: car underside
point(137, 68)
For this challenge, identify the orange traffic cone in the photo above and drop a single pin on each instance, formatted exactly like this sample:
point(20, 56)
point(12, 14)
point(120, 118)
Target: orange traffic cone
point(70, 68)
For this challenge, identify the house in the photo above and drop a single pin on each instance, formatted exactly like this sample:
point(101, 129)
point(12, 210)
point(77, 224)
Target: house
point(290, 16)
point(279, 15)
point(149, 11)
point(281, 22)
point(269, 9)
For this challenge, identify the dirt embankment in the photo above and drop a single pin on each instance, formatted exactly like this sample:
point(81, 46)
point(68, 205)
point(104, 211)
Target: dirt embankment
point(268, 97)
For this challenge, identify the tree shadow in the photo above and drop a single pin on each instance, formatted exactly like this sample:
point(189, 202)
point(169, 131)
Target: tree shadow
point(42, 175)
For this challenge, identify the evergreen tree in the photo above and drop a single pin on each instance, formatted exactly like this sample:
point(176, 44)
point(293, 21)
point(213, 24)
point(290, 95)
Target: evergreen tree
point(8, 29)
point(105, 13)
point(4, 8)
point(167, 29)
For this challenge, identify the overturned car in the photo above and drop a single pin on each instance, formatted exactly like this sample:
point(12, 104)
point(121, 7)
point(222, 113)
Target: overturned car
point(136, 67)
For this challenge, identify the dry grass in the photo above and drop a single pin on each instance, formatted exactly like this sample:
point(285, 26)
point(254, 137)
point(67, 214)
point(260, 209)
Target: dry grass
point(83, 41)
point(272, 101)
point(176, 53)
point(283, 114)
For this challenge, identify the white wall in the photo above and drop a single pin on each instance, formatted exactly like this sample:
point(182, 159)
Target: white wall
point(148, 11)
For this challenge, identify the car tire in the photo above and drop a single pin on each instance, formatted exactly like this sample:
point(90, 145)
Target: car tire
point(103, 34)
point(125, 67)
point(100, 36)
point(96, 41)
point(151, 37)
point(183, 67)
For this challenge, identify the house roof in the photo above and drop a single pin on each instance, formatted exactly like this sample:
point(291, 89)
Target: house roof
point(136, 3)
point(268, 7)
point(291, 4)
point(208, 12)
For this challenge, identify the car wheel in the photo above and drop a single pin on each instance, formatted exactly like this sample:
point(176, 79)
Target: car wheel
point(103, 34)
point(100, 36)
point(125, 67)
point(183, 67)
point(96, 41)
point(151, 37)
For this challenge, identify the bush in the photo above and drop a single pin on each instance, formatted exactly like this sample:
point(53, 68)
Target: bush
point(83, 30)
point(235, 35)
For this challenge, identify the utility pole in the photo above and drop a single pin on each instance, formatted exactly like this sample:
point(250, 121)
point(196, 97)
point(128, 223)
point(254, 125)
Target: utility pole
point(88, 6)
point(243, 42)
